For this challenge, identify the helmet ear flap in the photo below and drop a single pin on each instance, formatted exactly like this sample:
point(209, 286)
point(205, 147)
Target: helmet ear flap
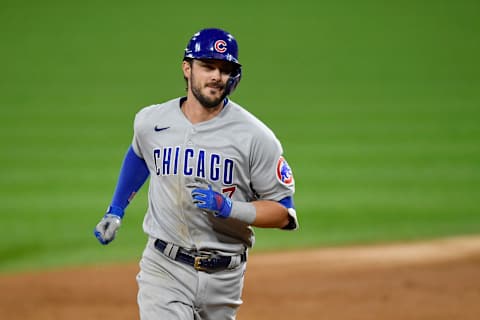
point(233, 80)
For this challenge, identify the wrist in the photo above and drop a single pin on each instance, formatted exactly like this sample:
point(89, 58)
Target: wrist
point(115, 210)
point(243, 211)
point(226, 209)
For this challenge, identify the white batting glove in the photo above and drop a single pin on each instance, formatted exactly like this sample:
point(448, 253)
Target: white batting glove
point(107, 228)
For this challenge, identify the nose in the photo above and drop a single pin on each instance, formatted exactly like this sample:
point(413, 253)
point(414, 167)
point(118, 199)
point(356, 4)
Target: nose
point(216, 74)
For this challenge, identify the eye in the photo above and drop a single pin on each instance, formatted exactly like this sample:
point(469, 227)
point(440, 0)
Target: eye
point(205, 65)
point(226, 70)
point(209, 67)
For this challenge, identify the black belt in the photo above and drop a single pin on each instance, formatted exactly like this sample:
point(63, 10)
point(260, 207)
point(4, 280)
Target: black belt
point(201, 262)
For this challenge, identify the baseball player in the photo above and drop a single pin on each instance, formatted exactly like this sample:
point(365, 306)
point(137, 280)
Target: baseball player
point(215, 171)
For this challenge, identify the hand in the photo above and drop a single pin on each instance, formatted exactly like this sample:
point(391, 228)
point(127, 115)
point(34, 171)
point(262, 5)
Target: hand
point(210, 200)
point(107, 228)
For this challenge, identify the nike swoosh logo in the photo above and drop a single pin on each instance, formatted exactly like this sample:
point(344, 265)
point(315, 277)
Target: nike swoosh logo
point(157, 128)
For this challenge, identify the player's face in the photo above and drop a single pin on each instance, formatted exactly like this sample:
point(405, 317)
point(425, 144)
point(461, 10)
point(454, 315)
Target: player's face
point(208, 79)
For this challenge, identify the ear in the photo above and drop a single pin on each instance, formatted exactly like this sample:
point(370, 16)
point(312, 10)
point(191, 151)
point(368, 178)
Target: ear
point(187, 68)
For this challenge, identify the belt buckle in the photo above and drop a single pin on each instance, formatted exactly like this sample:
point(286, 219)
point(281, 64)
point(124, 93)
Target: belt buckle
point(197, 263)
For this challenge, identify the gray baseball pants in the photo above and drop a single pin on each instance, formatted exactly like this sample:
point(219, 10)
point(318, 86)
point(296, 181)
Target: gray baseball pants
point(171, 290)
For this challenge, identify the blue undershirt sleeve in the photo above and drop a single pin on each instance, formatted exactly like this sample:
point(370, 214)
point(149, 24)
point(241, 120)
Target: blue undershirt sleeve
point(133, 174)
point(287, 202)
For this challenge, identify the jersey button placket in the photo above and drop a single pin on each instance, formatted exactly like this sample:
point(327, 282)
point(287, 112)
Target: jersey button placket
point(190, 134)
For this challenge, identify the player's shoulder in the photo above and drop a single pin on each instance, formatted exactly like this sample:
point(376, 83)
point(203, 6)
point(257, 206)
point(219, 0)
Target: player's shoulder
point(251, 128)
point(166, 111)
point(155, 109)
point(255, 125)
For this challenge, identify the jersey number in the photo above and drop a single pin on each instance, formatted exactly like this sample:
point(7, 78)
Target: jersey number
point(229, 191)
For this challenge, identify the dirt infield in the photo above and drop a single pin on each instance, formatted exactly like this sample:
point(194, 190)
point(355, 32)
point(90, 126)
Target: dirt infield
point(429, 280)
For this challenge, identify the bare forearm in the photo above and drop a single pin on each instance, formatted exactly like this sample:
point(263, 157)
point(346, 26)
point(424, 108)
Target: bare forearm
point(270, 214)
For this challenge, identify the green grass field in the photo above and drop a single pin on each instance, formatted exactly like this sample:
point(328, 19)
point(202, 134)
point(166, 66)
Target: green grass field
point(377, 106)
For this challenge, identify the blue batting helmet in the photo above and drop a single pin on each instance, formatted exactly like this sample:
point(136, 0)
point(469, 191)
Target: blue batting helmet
point(216, 44)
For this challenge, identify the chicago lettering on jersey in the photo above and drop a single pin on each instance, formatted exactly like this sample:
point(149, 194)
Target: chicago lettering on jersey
point(193, 162)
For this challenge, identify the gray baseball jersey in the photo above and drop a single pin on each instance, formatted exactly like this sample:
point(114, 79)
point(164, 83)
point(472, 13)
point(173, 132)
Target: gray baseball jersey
point(234, 152)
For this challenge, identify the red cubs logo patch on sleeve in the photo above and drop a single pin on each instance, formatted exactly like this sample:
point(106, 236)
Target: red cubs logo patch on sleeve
point(284, 173)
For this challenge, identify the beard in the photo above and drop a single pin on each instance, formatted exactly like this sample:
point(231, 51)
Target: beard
point(206, 101)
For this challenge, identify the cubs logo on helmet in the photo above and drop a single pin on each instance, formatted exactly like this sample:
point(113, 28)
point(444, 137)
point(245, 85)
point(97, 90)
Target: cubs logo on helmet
point(220, 46)
point(284, 173)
